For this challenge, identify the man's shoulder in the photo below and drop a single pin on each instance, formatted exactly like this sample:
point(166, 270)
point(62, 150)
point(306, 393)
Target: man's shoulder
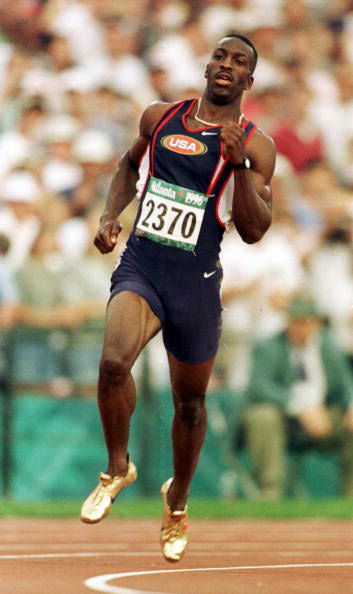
point(154, 112)
point(262, 140)
point(261, 150)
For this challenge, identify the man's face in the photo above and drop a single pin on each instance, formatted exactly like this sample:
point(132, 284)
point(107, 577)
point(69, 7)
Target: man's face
point(301, 330)
point(229, 70)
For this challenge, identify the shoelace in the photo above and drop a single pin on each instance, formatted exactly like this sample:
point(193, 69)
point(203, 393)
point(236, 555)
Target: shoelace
point(176, 529)
point(101, 493)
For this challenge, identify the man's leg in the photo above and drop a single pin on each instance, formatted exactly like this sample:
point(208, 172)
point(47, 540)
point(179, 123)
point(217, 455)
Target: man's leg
point(266, 442)
point(130, 324)
point(189, 385)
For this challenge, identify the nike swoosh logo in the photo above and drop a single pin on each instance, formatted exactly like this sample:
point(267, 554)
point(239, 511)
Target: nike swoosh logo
point(208, 274)
point(209, 133)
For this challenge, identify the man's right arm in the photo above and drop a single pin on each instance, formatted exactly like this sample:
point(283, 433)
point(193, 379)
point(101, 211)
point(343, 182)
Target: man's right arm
point(123, 186)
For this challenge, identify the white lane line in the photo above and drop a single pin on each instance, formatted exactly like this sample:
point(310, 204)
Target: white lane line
point(54, 555)
point(63, 546)
point(121, 554)
point(99, 582)
point(196, 553)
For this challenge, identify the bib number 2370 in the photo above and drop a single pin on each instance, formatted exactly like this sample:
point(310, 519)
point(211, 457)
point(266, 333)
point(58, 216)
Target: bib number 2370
point(171, 215)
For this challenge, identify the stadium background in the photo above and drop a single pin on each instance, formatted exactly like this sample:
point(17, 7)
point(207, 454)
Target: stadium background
point(87, 71)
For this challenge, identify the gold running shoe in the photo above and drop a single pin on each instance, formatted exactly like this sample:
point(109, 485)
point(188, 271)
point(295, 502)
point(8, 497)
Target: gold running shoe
point(174, 537)
point(98, 503)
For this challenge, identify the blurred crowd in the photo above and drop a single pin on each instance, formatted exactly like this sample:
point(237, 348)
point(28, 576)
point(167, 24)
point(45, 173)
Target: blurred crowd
point(69, 108)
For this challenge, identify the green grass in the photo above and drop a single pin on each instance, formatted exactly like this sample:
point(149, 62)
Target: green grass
point(199, 508)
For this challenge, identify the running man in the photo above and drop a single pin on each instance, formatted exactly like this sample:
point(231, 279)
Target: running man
point(169, 275)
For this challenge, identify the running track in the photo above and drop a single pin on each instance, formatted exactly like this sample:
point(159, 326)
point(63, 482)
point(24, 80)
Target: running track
point(39, 556)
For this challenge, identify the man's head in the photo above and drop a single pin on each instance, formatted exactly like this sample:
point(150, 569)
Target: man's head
point(248, 42)
point(304, 321)
point(230, 70)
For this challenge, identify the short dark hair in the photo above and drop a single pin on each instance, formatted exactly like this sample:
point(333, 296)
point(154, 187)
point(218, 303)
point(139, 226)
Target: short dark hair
point(249, 43)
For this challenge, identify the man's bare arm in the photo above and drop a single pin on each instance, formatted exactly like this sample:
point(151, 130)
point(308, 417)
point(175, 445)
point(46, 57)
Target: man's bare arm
point(252, 200)
point(123, 186)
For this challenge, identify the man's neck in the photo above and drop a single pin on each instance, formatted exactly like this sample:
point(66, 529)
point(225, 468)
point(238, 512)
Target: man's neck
point(215, 114)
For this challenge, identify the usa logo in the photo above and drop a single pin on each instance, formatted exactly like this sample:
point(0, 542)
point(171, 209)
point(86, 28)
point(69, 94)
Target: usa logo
point(184, 145)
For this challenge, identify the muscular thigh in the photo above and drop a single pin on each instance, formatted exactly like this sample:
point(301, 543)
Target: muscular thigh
point(130, 324)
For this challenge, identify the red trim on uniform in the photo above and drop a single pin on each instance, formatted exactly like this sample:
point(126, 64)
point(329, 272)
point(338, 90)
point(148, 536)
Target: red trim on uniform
point(244, 125)
point(215, 181)
point(213, 173)
point(222, 150)
point(160, 125)
point(250, 134)
point(148, 172)
point(183, 119)
point(220, 195)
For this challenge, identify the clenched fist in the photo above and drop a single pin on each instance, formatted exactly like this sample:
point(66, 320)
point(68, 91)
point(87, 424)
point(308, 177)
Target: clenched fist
point(232, 134)
point(107, 235)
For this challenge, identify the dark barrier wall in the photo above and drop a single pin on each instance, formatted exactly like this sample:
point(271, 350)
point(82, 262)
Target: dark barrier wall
point(58, 449)
point(53, 448)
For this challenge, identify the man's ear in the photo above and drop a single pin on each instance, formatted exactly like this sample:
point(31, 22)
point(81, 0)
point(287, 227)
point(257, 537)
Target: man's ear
point(249, 84)
point(206, 71)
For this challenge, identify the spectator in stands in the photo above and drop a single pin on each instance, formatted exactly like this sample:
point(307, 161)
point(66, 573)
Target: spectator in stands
point(300, 391)
point(257, 285)
point(41, 288)
point(122, 66)
point(8, 289)
point(338, 110)
point(19, 197)
point(77, 22)
point(24, 21)
point(41, 351)
point(15, 63)
point(85, 281)
point(317, 187)
point(330, 268)
point(61, 172)
point(94, 151)
point(296, 137)
point(173, 50)
point(113, 114)
point(160, 84)
point(20, 141)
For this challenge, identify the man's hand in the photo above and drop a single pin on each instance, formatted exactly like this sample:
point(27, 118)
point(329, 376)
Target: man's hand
point(316, 421)
point(348, 420)
point(232, 134)
point(107, 235)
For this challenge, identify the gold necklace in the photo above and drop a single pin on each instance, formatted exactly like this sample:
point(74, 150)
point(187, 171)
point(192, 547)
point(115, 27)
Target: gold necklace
point(209, 123)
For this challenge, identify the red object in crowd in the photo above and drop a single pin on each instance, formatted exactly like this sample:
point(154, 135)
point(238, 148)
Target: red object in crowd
point(299, 150)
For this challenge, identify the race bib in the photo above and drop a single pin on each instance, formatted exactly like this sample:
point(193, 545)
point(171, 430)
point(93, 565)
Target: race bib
point(171, 215)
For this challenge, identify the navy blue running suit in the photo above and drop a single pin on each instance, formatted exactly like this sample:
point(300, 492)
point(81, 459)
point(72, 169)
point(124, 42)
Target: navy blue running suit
point(172, 255)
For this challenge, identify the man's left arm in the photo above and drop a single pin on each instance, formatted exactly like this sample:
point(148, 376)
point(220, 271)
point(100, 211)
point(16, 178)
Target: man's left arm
point(252, 199)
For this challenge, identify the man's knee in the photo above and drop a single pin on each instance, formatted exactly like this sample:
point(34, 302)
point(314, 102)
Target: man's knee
point(191, 410)
point(114, 368)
